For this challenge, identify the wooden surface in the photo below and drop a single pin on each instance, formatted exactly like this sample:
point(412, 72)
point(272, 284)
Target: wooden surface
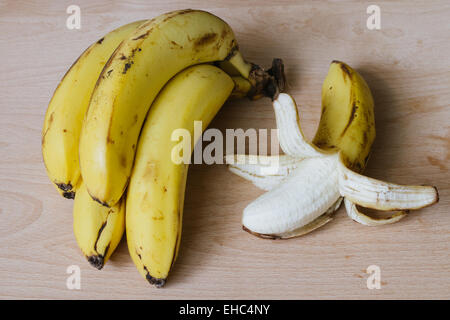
point(407, 66)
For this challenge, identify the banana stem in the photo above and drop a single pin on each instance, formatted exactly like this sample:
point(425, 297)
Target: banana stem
point(263, 83)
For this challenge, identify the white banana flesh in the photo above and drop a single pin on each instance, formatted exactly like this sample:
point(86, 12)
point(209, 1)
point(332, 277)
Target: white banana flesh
point(290, 135)
point(304, 195)
point(308, 186)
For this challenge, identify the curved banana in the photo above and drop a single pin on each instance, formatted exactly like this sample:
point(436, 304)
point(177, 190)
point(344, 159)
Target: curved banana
point(130, 81)
point(347, 122)
point(66, 110)
point(155, 193)
point(323, 176)
point(97, 229)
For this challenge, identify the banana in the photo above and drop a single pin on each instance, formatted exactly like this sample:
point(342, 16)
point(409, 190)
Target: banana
point(347, 122)
point(64, 116)
point(304, 195)
point(130, 81)
point(155, 193)
point(97, 229)
point(328, 170)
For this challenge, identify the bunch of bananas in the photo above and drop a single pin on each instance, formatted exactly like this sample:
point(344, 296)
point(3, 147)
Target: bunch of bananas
point(169, 72)
point(307, 184)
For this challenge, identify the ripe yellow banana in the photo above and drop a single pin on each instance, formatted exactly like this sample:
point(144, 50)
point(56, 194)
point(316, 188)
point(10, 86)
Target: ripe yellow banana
point(312, 187)
point(97, 229)
point(155, 194)
point(130, 81)
point(66, 110)
point(347, 122)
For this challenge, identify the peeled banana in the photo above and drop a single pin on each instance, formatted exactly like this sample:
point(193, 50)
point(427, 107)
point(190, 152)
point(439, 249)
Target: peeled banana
point(155, 193)
point(327, 170)
point(66, 110)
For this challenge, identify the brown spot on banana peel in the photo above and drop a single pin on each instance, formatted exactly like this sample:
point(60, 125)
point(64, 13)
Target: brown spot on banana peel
point(50, 121)
point(346, 70)
point(234, 49)
point(64, 186)
point(101, 40)
point(175, 250)
point(176, 44)
point(100, 232)
point(105, 69)
point(205, 39)
point(105, 204)
point(98, 260)
point(123, 161)
point(127, 66)
point(144, 35)
point(351, 118)
point(343, 67)
point(177, 13)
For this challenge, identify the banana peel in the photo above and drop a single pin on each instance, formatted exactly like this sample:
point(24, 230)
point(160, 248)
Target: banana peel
point(301, 198)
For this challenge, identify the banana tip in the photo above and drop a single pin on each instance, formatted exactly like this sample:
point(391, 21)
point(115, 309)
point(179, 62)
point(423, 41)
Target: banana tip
point(67, 190)
point(159, 283)
point(69, 194)
point(96, 261)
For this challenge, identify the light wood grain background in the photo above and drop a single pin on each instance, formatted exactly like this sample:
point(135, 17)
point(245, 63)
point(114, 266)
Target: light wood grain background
point(407, 66)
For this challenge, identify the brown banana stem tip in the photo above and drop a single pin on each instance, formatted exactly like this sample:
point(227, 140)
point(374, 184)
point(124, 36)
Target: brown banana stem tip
point(97, 261)
point(67, 190)
point(277, 71)
point(267, 83)
point(159, 283)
